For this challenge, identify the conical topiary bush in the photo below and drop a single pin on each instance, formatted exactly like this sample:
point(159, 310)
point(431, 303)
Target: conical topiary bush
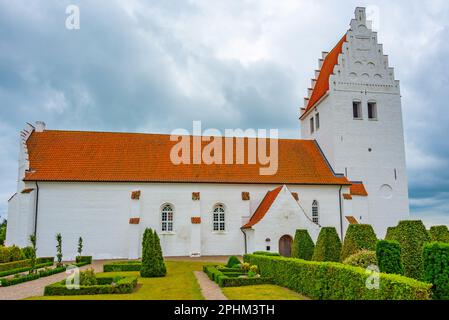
point(303, 245)
point(358, 237)
point(328, 245)
point(160, 269)
point(146, 271)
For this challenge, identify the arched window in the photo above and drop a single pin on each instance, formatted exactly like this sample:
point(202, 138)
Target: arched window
point(219, 218)
point(315, 212)
point(167, 217)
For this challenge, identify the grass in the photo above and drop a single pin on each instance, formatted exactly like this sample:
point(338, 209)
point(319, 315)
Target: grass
point(261, 292)
point(179, 284)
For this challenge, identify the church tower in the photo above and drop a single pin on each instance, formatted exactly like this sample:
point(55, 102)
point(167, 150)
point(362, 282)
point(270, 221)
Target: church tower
point(353, 110)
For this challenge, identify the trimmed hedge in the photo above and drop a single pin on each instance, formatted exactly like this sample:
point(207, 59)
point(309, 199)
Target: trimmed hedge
point(23, 263)
point(122, 286)
point(436, 268)
point(87, 259)
point(390, 233)
point(231, 279)
point(336, 281)
point(34, 276)
point(303, 245)
point(266, 253)
point(10, 254)
point(411, 235)
point(328, 245)
point(122, 266)
point(362, 259)
point(358, 237)
point(439, 234)
point(25, 269)
point(152, 261)
point(389, 257)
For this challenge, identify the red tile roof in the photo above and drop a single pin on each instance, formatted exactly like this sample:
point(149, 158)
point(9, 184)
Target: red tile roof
point(327, 69)
point(133, 157)
point(263, 208)
point(358, 189)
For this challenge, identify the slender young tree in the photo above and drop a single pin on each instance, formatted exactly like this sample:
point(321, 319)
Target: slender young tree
point(33, 253)
point(59, 249)
point(80, 246)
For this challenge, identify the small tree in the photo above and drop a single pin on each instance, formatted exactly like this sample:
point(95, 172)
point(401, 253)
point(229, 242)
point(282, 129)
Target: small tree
point(328, 245)
point(59, 249)
point(80, 246)
point(389, 257)
point(436, 268)
point(358, 237)
point(146, 270)
point(161, 269)
point(33, 253)
point(439, 234)
point(303, 245)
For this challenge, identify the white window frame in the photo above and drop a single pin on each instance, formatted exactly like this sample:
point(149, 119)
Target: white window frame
point(315, 212)
point(219, 218)
point(167, 217)
point(359, 110)
point(374, 111)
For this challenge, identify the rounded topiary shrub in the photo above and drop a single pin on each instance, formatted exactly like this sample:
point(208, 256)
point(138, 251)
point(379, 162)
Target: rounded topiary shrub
point(303, 245)
point(328, 245)
point(358, 237)
point(411, 236)
point(439, 234)
point(389, 257)
point(436, 268)
point(363, 259)
point(233, 261)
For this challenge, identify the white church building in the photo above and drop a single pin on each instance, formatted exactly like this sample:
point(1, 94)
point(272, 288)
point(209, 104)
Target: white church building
point(349, 167)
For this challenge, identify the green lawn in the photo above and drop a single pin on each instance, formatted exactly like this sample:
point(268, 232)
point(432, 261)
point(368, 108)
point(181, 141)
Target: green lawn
point(179, 284)
point(261, 292)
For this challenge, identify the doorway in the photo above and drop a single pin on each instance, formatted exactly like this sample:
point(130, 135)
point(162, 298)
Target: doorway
point(285, 246)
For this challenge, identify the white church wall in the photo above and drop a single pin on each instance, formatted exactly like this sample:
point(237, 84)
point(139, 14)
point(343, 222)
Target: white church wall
point(100, 212)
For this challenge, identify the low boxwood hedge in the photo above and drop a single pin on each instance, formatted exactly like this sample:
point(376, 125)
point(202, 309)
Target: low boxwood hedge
point(106, 286)
point(24, 263)
point(231, 279)
point(25, 269)
point(37, 275)
point(87, 259)
point(266, 253)
point(122, 266)
point(336, 281)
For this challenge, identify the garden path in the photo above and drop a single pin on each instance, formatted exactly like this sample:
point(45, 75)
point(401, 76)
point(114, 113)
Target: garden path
point(209, 289)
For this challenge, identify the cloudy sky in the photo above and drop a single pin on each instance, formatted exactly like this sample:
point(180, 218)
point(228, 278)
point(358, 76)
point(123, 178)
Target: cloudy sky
point(153, 66)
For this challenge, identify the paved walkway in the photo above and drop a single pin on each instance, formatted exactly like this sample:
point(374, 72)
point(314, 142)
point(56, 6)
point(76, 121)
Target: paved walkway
point(36, 287)
point(209, 289)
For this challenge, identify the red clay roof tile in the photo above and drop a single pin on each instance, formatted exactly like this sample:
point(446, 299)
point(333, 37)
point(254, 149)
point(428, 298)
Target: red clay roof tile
point(263, 208)
point(358, 189)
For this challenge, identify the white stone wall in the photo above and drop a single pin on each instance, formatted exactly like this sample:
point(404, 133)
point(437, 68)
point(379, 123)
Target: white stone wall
point(100, 212)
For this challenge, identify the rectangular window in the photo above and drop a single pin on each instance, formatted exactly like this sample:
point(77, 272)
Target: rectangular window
point(357, 110)
point(372, 111)
point(317, 121)
point(312, 127)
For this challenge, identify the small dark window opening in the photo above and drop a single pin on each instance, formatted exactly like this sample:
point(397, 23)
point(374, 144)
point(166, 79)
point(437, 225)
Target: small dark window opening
point(395, 175)
point(357, 110)
point(346, 172)
point(372, 110)
point(317, 121)
point(268, 248)
point(312, 125)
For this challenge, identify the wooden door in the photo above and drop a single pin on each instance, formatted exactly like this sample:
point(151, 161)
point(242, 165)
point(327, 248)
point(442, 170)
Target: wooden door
point(285, 246)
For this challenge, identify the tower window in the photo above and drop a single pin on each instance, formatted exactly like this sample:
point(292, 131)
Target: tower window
point(312, 125)
point(372, 111)
point(357, 109)
point(317, 121)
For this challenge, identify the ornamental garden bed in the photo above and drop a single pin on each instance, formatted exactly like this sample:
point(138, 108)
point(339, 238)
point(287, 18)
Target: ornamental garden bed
point(42, 270)
point(233, 277)
point(101, 285)
point(122, 266)
point(12, 268)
